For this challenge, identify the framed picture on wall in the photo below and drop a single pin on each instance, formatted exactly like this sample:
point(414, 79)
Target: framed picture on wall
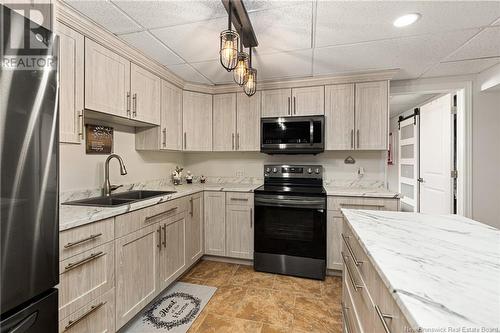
point(98, 139)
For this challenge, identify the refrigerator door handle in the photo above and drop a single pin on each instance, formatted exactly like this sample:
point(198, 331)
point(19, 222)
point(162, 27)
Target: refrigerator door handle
point(25, 324)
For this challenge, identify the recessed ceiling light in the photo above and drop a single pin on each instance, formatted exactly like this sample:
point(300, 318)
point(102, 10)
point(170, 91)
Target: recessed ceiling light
point(406, 20)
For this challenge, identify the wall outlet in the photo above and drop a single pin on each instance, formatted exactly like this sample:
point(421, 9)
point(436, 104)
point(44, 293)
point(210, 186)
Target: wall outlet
point(239, 173)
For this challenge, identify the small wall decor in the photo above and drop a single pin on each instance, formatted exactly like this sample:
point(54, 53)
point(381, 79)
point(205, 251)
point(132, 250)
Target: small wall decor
point(98, 139)
point(349, 160)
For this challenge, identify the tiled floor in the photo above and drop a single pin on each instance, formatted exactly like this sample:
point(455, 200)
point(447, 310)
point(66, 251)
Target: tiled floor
point(254, 302)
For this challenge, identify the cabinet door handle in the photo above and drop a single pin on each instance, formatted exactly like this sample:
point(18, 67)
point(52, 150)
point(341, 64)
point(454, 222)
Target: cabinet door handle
point(353, 282)
point(352, 138)
point(351, 252)
point(239, 199)
point(191, 203)
point(164, 137)
point(251, 218)
point(382, 318)
point(134, 113)
point(237, 141)
point(128, 103)
point(159, 238)
point(185, 140)
point(164, 236)
point(86, 239)
point(357, 137)
point(289, 107)
point(294, 106)
point(233, 141)
point(93, 308)
point(73, 265)
point(80, 118)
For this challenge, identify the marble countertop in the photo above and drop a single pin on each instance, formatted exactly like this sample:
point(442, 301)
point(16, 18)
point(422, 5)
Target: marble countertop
point(74, 216)
point(443, 271)
point(378, 192)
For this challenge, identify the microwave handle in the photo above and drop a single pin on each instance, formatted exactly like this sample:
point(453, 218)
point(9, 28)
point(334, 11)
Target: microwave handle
point(311, 132)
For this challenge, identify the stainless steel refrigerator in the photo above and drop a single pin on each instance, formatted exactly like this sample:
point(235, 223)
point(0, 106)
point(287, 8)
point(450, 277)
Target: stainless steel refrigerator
point(29, 144)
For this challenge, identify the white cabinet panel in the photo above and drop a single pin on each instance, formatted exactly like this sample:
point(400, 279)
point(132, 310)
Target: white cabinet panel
point(224, 122)
point(146, 90)
point(215, 223)
point(308, 101)
point(197, 121)
point(372, 115)
point(339, 117)
point(248, 122)
point(276, 103)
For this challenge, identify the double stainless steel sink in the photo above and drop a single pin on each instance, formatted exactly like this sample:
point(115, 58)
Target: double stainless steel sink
point(118, 199)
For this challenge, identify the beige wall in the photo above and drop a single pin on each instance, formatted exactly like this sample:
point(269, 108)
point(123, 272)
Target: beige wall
point(486, 151)
point(248, 164)
point(81, 171)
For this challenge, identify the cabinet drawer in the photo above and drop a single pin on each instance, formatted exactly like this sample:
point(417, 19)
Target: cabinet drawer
point(335, 204)
point(359, 260)
point(360, 296)
point(85, 277)
point(96, 316)
point(239, 198)
point(349, 315)
point(130, 222)
point(81, 239)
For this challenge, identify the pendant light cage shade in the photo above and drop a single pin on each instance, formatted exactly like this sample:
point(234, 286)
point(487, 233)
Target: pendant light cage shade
point(229, 41)
point(250, 86)
point(240, 73)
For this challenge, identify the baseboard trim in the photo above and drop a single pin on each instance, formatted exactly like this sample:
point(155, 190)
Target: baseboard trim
point(247, 262)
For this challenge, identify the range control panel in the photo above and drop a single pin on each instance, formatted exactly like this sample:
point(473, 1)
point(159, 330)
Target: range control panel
point(293, 171)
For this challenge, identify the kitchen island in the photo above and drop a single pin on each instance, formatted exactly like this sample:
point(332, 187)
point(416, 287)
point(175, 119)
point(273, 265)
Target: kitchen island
point(441, 272)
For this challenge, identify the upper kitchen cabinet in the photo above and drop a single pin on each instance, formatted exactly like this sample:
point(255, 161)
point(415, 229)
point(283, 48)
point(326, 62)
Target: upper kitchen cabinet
point(117, 87)
point(71, 70)
point(224, 127)
point(339, 117)
point(372, 115)
point(276, 103)
point(168, 136)
point(107, 81)
point(293, 102)
point(197, 121)
point(248, 122)
point(356, 116)
point(145, 90)
point(308, 101)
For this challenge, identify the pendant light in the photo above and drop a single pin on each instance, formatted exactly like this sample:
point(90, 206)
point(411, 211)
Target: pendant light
point(240, 72)
point(229, 41)
point(250, 86)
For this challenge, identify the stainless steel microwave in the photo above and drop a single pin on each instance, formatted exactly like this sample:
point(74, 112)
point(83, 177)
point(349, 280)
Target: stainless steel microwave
point(292, 135)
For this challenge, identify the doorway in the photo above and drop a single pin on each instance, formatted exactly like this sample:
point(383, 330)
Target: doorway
point(426, 160)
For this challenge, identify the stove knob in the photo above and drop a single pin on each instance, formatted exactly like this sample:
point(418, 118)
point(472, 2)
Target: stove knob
point(275, 170)
point(317, 170)
point(268, 170)
point(309, 170)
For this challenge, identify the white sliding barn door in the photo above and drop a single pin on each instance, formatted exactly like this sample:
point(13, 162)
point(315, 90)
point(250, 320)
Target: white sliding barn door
point(408, 164)
point(436, 156)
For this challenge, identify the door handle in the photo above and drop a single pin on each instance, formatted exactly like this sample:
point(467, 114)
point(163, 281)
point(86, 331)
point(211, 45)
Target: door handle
point(251, 218)
point(164, 137)
point(232, 136)
point(159, 238)
point(357, 138)
point(289, 106)
point(164, 236)
point(25, 324)
point(383, 317)
point(80, 117)
point(420, 180)
point(237, 141)
point(134, 113)
point(93, 308)
point(91, 237)
point(191, 202)
point(352, 138)
point(73, 265)
point(294, 106)
point(128, 103)
point(185, 140)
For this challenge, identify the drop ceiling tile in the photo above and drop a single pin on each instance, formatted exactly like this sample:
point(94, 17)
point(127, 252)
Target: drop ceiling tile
point(484, 44)
point(188, 73)
point(155, 14)
point(413, 55)
point(283, 65)
point(345, 22)
point(461, 67)
point(145, 42)
point(214, 71)
point(194, 42)
point(106, 14)
point(283, 29)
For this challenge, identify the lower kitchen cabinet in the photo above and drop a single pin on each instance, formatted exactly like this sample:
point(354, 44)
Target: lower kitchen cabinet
point(194, 229)
point(172, 256)
point(333, 241)
point(239, 231)
point(137, 262)
point(96, 316)
point(215, 223)
point(84, 277)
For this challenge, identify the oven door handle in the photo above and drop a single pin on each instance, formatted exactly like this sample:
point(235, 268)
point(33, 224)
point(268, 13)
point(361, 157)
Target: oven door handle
point(318, 203)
